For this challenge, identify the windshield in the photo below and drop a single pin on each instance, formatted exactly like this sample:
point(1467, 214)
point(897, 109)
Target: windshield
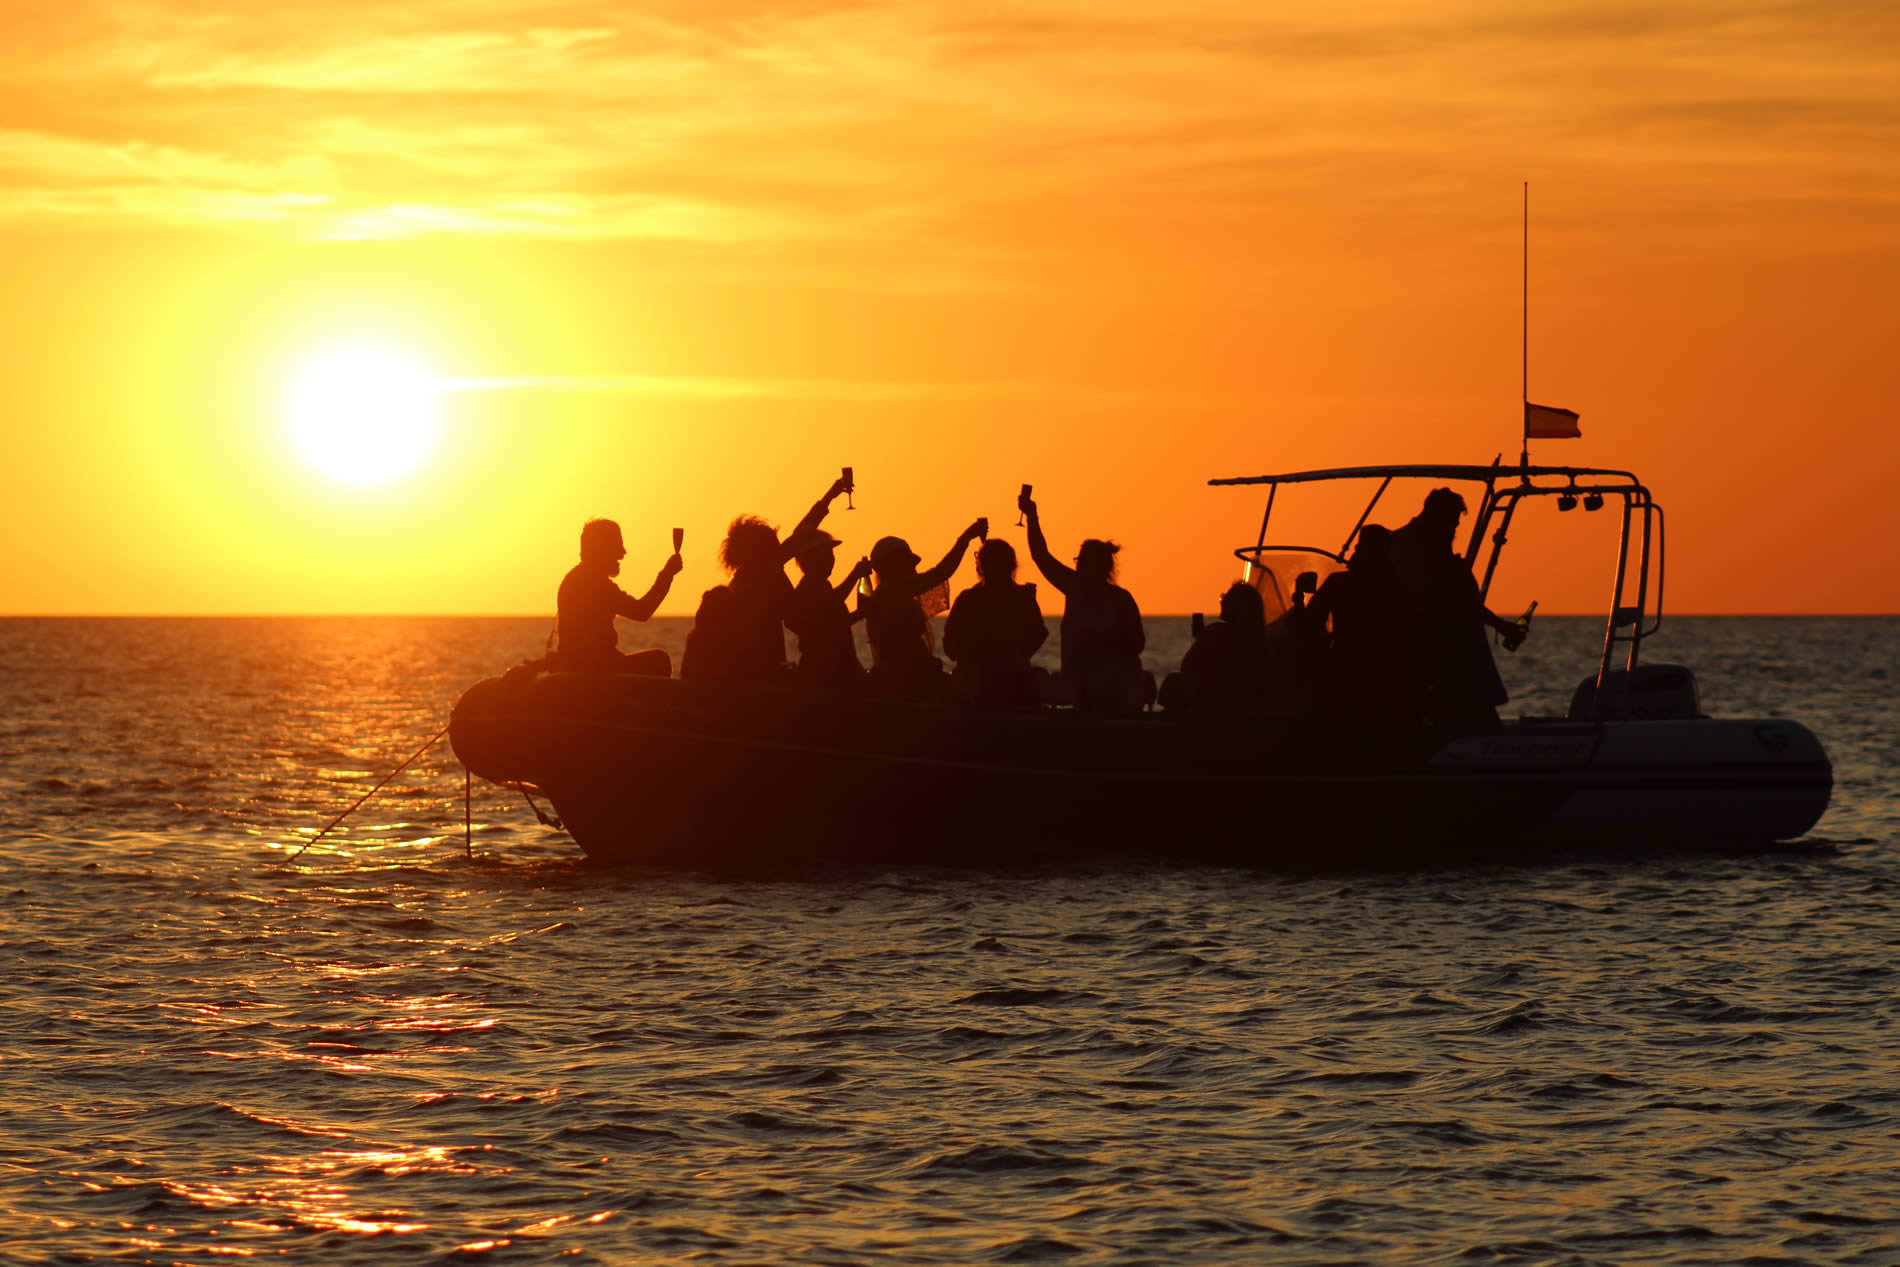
point(1276, 573)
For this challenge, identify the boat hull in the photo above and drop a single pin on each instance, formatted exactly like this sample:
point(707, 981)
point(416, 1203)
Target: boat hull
point(657, 771)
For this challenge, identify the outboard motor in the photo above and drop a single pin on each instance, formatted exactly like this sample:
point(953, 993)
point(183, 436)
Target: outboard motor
point(1650, 692)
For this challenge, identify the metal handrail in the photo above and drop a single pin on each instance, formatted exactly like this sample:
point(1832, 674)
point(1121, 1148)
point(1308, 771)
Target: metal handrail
point(1501, 499)
point(1242, 552)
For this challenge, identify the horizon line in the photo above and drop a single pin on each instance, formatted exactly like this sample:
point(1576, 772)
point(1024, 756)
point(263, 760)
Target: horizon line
point(1182, 615)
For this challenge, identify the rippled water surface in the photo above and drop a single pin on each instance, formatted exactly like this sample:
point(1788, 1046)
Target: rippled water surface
point(385, 1050)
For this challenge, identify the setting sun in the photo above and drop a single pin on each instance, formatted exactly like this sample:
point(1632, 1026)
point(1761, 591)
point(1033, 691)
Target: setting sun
point(362, 412)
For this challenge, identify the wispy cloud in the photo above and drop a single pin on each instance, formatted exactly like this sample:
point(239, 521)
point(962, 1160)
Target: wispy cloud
point(835, 391)
point(923, 124)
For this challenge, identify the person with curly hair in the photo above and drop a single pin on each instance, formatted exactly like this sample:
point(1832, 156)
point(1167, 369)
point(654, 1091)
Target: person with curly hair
point(761, 592)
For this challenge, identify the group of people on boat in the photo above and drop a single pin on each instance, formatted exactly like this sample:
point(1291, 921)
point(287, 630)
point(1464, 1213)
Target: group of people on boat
point(1397, 638)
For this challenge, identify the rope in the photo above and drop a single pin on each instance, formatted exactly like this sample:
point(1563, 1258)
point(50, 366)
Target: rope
point(547, 820)
point(373, 791)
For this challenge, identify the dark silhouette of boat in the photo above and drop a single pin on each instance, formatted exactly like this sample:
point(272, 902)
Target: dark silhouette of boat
point(652, 770)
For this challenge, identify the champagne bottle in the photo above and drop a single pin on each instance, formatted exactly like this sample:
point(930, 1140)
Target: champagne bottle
point(1521, 628)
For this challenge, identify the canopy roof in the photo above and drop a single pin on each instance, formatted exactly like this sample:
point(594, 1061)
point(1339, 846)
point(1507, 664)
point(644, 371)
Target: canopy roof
point(1479, 474)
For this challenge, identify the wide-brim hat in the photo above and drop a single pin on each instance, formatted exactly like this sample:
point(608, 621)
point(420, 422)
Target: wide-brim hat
point(816, 539)
point(892, 550)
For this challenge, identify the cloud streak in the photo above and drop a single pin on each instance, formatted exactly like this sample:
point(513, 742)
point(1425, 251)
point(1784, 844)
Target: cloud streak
point(831, 391)
point(915, 126)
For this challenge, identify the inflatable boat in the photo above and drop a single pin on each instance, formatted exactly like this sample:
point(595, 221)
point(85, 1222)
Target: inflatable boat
point(676, 773)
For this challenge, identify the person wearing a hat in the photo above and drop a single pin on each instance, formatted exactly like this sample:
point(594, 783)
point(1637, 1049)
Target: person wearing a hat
point(756, 557)
point(827, 657)
point(903, 655)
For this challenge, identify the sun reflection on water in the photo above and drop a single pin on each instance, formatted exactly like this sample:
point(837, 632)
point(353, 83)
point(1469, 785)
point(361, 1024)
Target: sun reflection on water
point(391, 1051)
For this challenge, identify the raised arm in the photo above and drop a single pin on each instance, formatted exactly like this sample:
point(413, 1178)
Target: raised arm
point(1053, 569)
point(813, 517)
point(643, 607)
point(947, 568)
point(861, 570)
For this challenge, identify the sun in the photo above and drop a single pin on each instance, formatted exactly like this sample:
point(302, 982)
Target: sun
point(362, 411)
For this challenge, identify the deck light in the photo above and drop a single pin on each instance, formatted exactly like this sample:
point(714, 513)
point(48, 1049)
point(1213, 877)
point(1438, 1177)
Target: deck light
point(1567, 502)
point(1593, 502)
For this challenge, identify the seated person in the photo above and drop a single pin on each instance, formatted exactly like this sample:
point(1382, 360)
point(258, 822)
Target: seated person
point(827, 656)
point(1225, 671)
point(711, 647)
point(1299, 659)
point(903, 654)
point(589, 600)
point(1376, 675)
point(1102, 634)
point(756, 558)
point(993, 630)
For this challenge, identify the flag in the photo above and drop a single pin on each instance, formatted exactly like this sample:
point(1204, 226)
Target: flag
point(1546, 422)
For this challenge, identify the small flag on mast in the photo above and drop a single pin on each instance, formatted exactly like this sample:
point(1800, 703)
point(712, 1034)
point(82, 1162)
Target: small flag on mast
point(1547, 422)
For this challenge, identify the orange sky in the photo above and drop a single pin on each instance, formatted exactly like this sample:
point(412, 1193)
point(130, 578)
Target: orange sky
point(686, 261)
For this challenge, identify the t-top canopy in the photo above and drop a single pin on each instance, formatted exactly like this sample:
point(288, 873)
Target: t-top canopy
point(1478, 474)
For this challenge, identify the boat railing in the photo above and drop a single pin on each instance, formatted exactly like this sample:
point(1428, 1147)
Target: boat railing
point(1636, 595)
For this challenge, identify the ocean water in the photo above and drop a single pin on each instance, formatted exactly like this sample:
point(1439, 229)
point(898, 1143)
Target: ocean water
point(386, 1050)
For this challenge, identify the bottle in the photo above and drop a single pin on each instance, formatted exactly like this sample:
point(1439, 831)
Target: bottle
point(1522, 625)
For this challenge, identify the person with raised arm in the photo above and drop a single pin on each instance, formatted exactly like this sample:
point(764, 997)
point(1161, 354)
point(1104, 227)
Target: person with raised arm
point(1102, 635)
point(760, 589)
point(903, 655)
point(827, 656)
point(589, 600)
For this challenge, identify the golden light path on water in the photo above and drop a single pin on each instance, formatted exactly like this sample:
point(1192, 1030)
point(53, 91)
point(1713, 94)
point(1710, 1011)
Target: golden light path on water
point(391, 1049)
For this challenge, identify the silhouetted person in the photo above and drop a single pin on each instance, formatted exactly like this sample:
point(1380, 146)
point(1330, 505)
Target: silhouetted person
point(713, 645)
point(827, 656)
point(756, 558)
point(1461, 677)
point(1299, 657)
point(589, 600)
point(903, 658)
point(1102, 634)
point(993, 630)
point(1376, 677)
point(1225, 671)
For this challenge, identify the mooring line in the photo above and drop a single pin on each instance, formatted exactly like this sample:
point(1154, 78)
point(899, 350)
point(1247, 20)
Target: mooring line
point(373, 791)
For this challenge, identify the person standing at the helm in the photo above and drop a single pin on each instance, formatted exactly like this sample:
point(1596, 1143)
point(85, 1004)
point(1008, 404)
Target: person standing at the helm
point(1464, 686)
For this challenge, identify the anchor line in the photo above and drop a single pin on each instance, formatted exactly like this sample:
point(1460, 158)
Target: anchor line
point(433, 740)
point(547, 820)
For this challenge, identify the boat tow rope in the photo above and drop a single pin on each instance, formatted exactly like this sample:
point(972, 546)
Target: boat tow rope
point(547, 820)
point(433, 740)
